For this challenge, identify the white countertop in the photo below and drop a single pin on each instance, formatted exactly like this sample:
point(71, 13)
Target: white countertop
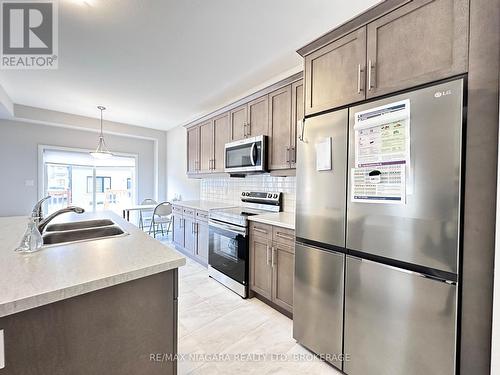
point(202, 205)
point(62, 271)
point(280, 219)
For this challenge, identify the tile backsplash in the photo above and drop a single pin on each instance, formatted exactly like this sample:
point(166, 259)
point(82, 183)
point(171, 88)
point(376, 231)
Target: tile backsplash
point(228, 189)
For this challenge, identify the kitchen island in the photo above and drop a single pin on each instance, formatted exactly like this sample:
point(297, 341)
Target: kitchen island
point(104, 306)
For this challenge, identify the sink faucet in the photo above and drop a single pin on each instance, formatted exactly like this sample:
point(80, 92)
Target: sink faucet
point(32, 239)
point(37, 208)
point(43, 222)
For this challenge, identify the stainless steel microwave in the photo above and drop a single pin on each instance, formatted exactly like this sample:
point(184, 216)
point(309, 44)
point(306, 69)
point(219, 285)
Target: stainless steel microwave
point(246, 156)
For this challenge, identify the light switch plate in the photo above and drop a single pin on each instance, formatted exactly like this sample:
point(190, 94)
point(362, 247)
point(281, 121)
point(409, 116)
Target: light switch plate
point(2, 350)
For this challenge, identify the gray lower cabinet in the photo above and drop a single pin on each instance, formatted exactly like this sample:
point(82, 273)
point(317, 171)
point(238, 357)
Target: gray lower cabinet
point(190, 233)
point(260, 266)
point(272, 258)
point(178, 229)
point(422, 311)
point(283, 258)
point(110, 331)
point(319, 302)
point(202, 241)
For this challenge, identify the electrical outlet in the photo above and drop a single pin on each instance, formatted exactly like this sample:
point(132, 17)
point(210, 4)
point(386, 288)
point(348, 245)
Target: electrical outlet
point(2, 350)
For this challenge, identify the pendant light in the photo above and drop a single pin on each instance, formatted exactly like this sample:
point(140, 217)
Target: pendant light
point(101, 151)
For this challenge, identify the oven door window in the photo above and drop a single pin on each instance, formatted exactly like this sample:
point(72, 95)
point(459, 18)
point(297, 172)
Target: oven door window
point(228, 253)
point(241, 156)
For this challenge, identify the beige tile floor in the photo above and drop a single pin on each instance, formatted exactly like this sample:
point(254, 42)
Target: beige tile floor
point(215, 321)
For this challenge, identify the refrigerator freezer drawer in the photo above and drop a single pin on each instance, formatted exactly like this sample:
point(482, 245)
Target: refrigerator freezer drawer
point(397, 322)
point(425, 230)
point(318, 301)
point(321, 179)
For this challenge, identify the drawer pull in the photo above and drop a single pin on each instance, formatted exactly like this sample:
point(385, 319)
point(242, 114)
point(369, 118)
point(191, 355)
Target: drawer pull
point(285, 236)
point(267, 255)
point(260, 230)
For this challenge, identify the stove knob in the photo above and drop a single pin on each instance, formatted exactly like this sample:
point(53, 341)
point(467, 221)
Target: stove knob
point(275, 196)
point(247, 194)
point(269, 195)
point(243, 193)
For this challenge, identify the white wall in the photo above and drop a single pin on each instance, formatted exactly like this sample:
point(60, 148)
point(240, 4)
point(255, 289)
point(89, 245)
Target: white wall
point(19, 160)
point(178, 185)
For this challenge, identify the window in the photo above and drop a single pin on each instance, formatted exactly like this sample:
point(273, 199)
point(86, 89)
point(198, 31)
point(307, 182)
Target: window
point(101, 184)
point(70, 178)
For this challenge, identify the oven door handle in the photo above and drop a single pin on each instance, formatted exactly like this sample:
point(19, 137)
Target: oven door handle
point(252, 151)
point(231, 228)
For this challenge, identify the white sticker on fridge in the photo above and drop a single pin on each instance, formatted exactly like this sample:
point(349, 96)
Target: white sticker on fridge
point(324, 154)
point(382, 154)
point(383, 184)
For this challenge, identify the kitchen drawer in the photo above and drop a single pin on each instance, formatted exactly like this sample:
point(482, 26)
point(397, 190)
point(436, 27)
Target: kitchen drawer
point(202, 215)
point(189, 212)
point(176, 209)
point(261, 230)
point(284, 236)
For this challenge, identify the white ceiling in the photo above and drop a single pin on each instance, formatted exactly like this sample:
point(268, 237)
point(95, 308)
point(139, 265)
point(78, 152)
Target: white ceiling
point(160, 63)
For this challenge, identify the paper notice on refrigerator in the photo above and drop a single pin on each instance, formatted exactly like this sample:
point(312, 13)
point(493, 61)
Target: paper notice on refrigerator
point(324, 154)
point(380, 184)
point(382, 135)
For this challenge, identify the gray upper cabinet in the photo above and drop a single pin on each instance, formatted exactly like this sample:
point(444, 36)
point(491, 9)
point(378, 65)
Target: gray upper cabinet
point(423, 41)
point(258, 117)
point(206, 146)
point(193, 150)
point(221, 136)
point(238, 122)
point(297, 117)
point(335, 74)
point(280, 128)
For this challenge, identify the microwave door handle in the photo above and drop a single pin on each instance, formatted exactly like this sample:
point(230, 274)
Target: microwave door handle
point(252, 151)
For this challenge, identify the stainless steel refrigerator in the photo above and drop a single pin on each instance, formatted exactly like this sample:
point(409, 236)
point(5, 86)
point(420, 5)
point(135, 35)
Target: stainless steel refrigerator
point(377, 282)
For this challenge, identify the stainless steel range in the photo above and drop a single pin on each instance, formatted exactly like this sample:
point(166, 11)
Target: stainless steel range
point(228, 252)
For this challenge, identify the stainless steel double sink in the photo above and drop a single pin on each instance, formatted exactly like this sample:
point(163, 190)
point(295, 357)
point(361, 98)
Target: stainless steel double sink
point(79, 231)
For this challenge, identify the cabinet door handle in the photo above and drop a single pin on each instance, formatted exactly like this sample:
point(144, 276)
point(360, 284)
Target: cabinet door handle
point(267, 254)
point(302, 126)
point(288, 154)
point(359, 79)
point(370, 75)
point(293, 154)
point(244, 129)
point(272, 256)
point(249, 125)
